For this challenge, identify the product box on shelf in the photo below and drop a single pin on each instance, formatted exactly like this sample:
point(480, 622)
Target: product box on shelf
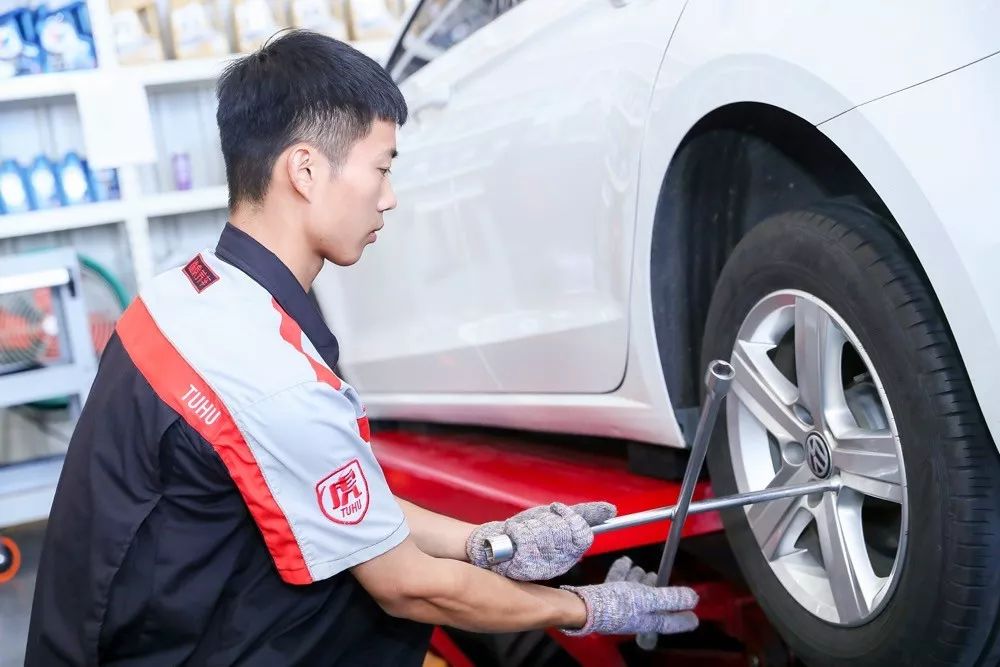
point(20, 53)
point(65, 36)
point(105, 184)
point(197, 29)
point(255, 21)
point(181, 166)
point(136, 26)
point(329, 17)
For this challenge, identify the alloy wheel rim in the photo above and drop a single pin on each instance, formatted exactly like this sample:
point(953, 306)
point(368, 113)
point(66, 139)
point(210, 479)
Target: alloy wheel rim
point(792, 422)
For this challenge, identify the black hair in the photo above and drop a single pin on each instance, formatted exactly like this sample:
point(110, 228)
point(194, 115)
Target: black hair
point(302, 86)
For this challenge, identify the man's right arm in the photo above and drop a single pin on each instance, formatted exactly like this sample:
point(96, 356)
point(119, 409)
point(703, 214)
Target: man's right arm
point(407, 583)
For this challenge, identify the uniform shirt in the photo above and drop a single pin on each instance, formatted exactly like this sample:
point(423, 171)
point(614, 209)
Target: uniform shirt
point(217, 486)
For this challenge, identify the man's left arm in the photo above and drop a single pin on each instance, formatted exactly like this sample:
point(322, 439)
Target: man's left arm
point(435, 534)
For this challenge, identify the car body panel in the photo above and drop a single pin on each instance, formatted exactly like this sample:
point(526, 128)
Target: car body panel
point(826, 66)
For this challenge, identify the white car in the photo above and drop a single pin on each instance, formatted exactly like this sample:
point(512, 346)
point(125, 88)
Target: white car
point(597, 197)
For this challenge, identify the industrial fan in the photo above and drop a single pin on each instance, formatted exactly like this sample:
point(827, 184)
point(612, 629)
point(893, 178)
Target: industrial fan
point(29, 323)
point(28, 329)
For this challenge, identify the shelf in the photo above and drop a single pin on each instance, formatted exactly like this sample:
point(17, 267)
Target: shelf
point(40, 86)
point(57, 219)
point(104, 213)
point(27, 488)
point(172, 72)
point(185, 201)
point(168, 72)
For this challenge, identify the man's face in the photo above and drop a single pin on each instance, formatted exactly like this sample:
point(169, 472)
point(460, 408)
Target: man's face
point(347, 210)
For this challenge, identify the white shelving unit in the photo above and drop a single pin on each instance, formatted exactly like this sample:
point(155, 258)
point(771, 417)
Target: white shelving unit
point(40, 86)
point(185, 201)
point(135, 208)
point(103, 213)
point(61, 219)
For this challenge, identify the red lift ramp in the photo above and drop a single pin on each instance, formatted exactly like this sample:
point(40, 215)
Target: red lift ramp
point(480, 477)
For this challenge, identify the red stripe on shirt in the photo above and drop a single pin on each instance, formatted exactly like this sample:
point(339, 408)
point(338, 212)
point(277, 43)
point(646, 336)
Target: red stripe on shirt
point(183, 389)
point(292, 333)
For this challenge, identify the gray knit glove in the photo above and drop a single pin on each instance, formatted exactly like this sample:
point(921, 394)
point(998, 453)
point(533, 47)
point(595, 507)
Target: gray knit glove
point(628, 603)
point(548, 540)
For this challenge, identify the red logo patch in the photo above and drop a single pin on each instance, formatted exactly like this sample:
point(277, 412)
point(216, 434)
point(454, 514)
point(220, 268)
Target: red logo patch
point(343, 495)
point(199, 273)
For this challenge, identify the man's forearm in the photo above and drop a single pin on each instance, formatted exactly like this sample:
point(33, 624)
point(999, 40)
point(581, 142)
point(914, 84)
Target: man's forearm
point(469, 598)
point(435, 534)
point(408, 583)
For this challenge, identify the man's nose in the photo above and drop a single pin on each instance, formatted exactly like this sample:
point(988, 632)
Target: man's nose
point(388, 200)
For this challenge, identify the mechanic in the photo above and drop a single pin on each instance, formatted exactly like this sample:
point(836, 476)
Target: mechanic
point(220, 503)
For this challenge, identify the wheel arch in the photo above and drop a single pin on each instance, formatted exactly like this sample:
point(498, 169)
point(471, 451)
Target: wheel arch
point(738, 165)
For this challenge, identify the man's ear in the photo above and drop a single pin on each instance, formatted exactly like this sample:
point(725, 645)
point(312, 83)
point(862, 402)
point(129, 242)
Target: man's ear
point(301, 165)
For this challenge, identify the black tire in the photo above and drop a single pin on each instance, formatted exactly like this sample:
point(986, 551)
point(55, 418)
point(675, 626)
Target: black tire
point(945, 609)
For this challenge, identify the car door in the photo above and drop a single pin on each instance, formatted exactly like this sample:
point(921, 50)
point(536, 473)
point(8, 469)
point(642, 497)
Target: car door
point(506, 267)
point(398, 313)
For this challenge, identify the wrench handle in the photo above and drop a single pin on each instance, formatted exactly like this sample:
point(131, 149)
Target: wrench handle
point(501, 548)
point(717, 380)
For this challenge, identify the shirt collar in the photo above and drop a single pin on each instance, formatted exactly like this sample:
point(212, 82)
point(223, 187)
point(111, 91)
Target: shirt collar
point(241, 250)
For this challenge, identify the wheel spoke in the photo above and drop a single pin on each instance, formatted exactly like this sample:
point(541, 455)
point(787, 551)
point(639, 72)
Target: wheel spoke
point(778, 523)
point(853, 583)
point(765, 392)
point(816, 352)
point(868, 463)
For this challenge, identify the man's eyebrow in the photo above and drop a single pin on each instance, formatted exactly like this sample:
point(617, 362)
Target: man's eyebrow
point(392, 153)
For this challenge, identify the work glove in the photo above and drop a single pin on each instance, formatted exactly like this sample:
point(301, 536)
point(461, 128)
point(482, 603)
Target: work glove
point(548, 540)
point(628, 603)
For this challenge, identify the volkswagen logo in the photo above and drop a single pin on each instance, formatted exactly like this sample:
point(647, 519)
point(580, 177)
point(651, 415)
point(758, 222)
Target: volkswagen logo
point(818, 456)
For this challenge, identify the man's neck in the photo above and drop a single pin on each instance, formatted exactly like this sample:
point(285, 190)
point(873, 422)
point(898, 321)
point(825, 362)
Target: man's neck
point(282, 237)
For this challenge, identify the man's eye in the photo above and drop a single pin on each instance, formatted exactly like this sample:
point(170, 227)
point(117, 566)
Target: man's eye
point(386, 172)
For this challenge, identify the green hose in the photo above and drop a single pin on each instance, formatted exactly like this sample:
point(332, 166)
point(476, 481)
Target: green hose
point(116, 286)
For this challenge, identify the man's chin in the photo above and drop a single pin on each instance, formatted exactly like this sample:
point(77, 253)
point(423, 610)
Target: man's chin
point(345, 260)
